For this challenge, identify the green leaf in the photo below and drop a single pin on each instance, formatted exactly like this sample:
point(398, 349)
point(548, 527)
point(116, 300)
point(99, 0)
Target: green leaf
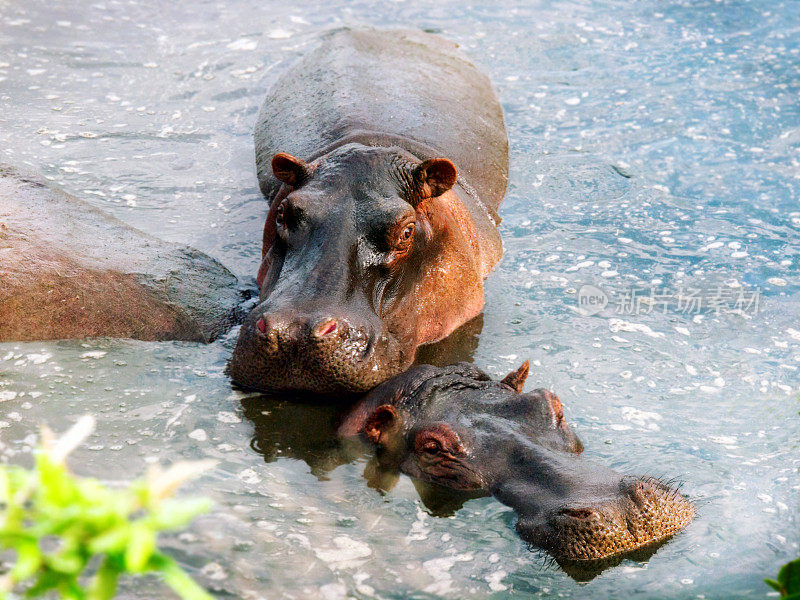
point(89, 519)
point(70, 590)
point(789, 577)
point(67, 562)
point(46, 581)
point(29, 559)
point(56, 486)
point(180, 582)
point(5, 486)
point(141, 545)
point(173, 514)
point(104, 584)
point(111, 541)
point(773, 584)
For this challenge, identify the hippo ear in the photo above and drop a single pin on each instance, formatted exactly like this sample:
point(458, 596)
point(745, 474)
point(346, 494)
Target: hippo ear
point(516, 379)
point(290, 170)
point(434, 177)
point(382, 421)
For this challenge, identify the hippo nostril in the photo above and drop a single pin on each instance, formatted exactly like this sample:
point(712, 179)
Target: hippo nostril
point(261, 324)
point(326, 327)
point(370, 343)
point(647, 495)
point(578, 513)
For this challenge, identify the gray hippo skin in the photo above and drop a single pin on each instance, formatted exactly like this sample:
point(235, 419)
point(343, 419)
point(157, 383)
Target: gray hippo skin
point(457, 428)
point(67, 270)
point(384, 156)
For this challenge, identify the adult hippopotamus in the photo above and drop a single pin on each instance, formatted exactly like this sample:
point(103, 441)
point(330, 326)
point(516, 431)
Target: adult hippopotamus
point(456, 427)
point(383, 156)
point(68, 270)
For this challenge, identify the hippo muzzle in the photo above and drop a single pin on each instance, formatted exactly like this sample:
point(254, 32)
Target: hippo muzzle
point(582, 512)
point(324, 352)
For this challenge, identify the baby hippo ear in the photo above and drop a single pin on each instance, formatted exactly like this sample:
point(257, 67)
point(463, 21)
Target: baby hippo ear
point(435, 176)
point(290, 170)
point(516, 379)
point(381, 423)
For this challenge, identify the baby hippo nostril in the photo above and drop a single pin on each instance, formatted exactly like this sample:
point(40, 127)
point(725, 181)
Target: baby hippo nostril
point(325, 327)
point(638, 490)
point(578, 513)
point(646, 494)
point(261, 324)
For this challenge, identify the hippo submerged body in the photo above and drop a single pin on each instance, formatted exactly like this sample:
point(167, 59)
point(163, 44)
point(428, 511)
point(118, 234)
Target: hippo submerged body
point(68, 270)
point(457, 428)
point(384, 156)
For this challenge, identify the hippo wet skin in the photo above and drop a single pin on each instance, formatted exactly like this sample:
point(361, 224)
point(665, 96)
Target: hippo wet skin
point(457, 428)
point(383, 155)
point(68, 270)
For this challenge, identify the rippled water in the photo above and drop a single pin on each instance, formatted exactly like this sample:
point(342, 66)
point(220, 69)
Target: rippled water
point(655, 146)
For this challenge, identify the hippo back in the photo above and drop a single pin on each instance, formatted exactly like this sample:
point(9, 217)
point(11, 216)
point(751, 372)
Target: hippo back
point(68, 270)
point(390, 88)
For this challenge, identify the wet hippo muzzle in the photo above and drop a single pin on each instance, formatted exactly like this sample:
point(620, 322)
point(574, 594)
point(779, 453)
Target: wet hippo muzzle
point(321, 352)
point(582, 512)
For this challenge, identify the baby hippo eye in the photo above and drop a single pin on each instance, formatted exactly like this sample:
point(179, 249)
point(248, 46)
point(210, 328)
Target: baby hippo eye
point(431, 447)
point(438, 440)
point(427, 445)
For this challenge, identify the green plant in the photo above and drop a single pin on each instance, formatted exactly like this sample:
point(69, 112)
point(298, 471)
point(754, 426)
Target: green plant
point(60, 526)
point(788, 582)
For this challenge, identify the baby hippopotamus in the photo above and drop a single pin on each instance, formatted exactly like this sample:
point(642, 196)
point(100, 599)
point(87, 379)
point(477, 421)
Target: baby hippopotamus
point(458, 428)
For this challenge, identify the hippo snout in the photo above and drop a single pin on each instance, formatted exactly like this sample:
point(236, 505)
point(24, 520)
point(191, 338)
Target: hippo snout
point(319, 351)
point(642, 513)
point(282, 332)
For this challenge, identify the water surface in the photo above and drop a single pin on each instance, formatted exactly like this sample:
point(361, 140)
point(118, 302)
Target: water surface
point(655, 150)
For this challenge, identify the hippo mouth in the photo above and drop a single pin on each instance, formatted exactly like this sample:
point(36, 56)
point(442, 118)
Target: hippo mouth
point(328, 357)
point(644, 515)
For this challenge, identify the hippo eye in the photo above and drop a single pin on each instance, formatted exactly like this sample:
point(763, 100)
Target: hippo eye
point(431, 447)
point(406, 235)
point(280, 214)
point(288, 215)
point(427, 445)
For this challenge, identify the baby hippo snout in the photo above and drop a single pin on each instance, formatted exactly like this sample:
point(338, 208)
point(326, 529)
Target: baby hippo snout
point(643, 513)
point(319, 351)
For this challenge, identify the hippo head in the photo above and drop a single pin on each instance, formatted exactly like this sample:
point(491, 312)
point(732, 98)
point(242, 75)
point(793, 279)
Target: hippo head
point(457, 428)
point(366, 255)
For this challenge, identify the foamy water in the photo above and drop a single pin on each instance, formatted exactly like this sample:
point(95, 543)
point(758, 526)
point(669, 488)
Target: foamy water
point(655, 159)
